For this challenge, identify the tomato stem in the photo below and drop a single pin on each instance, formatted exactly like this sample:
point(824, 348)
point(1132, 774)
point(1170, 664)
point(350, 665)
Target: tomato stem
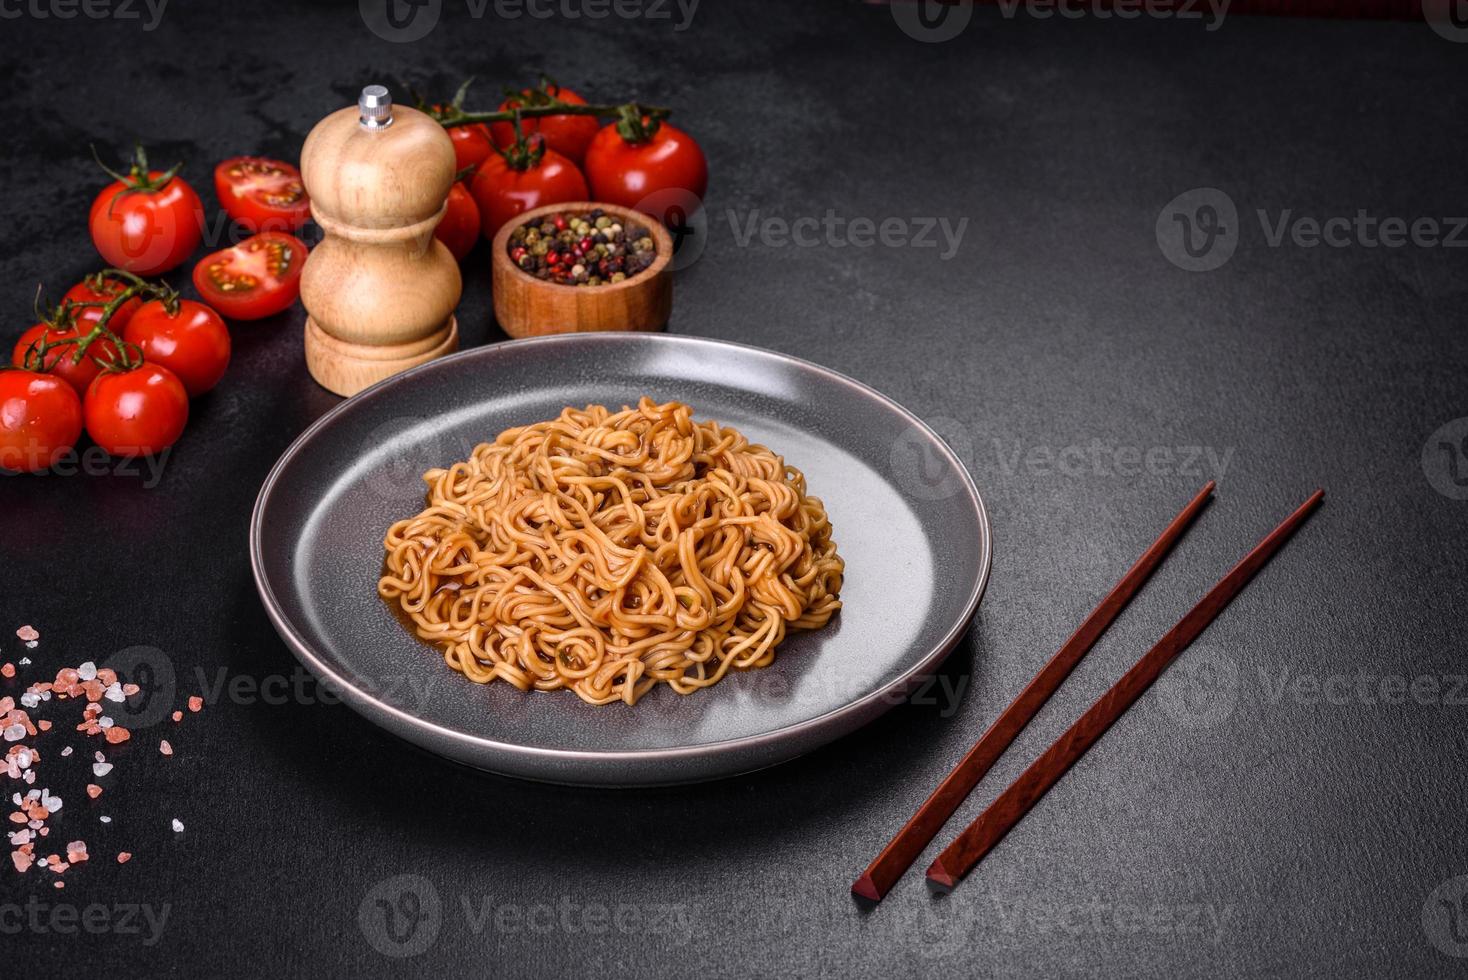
point(138, 179)
point(129, 355)
point(555, 108)
point(525, 152)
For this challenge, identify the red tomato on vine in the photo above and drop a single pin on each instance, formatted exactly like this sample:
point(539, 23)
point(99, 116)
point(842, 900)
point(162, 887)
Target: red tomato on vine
point(136, 412)
point(60, 360)
point(626, 165)
point(40, 420)
point(504, 188)
point(459, 229)
point(147, 221)
point(191, 341)
point(101, 288)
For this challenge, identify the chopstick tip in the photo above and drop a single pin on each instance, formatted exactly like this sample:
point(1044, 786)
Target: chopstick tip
point(938, 875)
point(865, 887)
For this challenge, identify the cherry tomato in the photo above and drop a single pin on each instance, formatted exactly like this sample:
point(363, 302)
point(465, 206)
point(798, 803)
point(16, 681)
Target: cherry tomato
point(471, 145)
point(145, 224)
point(194, 344)
point(102, 290)
point(137, 412)
point(502, 192)
point(257, 278)
point(262, 194)
point(40, 420)
point(567, 135)
point(459, 229)
point(628, 173)
point(59, 360)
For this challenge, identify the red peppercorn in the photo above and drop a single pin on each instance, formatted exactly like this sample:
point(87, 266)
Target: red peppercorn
point(560, 222)
point(517, 253)
point(552, 258)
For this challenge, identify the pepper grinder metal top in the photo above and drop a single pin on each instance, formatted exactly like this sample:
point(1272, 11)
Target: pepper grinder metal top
point(374, 107)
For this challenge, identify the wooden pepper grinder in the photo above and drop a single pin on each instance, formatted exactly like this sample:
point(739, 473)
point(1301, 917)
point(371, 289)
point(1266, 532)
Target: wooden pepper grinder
point(379, 290)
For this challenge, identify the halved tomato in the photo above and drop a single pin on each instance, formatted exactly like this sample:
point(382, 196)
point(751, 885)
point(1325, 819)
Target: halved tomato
point(262, 194)
point(257, 278)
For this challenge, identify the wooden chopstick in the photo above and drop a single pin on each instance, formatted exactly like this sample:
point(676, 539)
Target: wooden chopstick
point(924, 825)
point(980, 837)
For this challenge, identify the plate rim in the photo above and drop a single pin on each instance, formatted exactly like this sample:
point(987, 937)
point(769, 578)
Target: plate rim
point(366, 703)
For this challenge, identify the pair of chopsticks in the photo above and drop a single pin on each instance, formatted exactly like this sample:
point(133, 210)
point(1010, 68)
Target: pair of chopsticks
point(980, 837)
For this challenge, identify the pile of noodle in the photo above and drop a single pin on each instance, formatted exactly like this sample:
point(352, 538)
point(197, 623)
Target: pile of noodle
point(609, 552)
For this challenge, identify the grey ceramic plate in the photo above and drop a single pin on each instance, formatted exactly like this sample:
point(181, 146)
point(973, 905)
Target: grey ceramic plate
point(907, 518)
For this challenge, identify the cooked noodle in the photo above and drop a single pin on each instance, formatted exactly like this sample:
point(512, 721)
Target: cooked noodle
point(609, 552)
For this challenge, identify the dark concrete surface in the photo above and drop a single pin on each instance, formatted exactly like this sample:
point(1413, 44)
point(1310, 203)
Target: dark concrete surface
point(1288, 802)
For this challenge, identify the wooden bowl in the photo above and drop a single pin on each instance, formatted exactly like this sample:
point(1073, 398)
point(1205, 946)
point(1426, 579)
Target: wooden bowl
point(529, 307)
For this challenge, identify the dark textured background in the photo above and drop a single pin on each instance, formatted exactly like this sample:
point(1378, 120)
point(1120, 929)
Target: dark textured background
point(1223, 826)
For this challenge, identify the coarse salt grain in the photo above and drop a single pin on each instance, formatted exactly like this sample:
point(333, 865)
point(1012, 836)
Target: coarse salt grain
point(196, 703)
point(123, 857)
point(164, 747)
point(87, 671)
point(177, 825)
point(28, 633)
point(100, 769)
point(105, 819)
